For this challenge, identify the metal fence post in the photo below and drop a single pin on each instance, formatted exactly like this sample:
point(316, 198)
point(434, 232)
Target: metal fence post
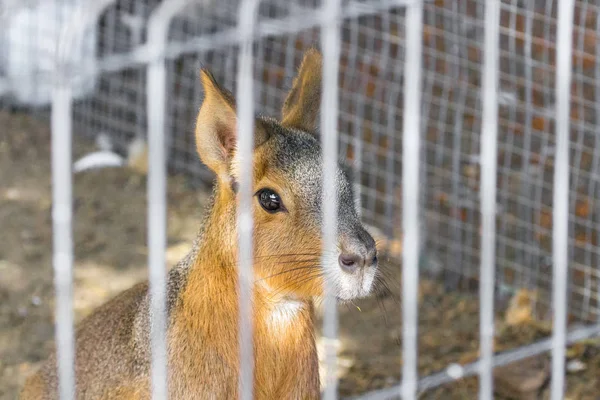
point(489, 165)
point(330, 43)
point(560, 213)
point(411, 150)
point(70, 40)
point(62, 215)
point(245, 127)
point(158, 30)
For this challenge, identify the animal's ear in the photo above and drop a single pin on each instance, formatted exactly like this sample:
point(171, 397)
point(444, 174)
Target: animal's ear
point(302, 105)
point(216, 127)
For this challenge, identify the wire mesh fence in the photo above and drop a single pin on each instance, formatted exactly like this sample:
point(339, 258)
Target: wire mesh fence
point(501, 149)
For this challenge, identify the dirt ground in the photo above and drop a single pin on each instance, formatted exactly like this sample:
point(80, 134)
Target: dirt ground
point(111, 254)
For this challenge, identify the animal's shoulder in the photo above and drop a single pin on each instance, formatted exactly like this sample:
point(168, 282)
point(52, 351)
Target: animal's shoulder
point(176, 280)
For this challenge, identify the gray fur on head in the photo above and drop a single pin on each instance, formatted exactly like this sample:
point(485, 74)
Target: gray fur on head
point(298, 155)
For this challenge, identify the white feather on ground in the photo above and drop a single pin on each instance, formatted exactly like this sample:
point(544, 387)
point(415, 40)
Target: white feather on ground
point(136, 156)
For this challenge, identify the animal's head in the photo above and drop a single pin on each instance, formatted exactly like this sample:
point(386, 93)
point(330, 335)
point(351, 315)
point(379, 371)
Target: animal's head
point(287, 187)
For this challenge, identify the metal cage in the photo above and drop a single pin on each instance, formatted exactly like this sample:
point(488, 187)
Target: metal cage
point(472, 125)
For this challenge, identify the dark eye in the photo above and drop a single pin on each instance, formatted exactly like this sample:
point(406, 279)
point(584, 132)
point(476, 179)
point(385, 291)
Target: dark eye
point(270, 201)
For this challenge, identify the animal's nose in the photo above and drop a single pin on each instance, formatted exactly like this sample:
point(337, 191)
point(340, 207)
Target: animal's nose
point(350, 262)
point(358, 250)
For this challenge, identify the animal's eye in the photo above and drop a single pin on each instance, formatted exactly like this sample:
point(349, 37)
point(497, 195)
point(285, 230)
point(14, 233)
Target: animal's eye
point(270, 201)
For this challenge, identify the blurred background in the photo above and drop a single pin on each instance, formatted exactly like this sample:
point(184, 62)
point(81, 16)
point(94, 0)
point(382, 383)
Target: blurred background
point(109, 150)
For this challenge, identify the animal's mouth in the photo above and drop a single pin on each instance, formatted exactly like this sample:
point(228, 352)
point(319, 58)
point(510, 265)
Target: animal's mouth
point(347, 285)
point(344, 300)
point(348, 288)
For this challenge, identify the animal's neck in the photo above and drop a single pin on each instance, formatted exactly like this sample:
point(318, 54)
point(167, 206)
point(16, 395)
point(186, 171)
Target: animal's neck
point(203, 336)
point(211, 287)
point(204, 333)
point(217, 242)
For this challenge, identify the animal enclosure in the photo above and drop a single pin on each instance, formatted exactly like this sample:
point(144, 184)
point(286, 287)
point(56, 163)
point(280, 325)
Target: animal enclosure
point(472, 127)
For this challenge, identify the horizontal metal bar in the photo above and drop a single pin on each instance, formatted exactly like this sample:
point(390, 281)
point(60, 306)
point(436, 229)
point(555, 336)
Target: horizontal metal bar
point(266, 28)
point(440, 378)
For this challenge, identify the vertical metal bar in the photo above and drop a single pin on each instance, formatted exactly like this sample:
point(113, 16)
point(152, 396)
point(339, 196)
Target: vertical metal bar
point(560, 213)
point(330, 43)
point(411, 152)
point(157, 223)
point(489, 151)
point(158, 28)
point(595, 167)
point(70, 40)
point(245, 129)
point(62, 214)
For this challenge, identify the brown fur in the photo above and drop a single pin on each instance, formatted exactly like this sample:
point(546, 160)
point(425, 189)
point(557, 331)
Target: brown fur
point(112, 345)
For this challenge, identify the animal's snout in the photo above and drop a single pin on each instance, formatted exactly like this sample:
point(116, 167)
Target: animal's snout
point(358, 252)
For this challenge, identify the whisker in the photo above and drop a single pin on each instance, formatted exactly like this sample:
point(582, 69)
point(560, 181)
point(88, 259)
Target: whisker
point(382, 307)
point(287, 271)
point(258, 259)
point(298, 282)
point(383, 273)
point(383, 289)
point(301, 274)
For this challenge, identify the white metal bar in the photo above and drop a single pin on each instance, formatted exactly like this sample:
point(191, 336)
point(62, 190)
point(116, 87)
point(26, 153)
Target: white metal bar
point(560, 212)
point(489, 151)
point(70, 40)
point(62, 214)
point(411, 150)
point(245, 128)
point(158, 29)
point(330, 44)
point(157, 224)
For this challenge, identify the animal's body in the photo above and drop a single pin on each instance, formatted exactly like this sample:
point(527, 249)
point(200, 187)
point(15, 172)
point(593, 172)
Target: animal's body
point(112, 344)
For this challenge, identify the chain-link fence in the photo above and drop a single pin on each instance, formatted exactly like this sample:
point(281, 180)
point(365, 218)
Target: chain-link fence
point(371, 82)
point(111, 102)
